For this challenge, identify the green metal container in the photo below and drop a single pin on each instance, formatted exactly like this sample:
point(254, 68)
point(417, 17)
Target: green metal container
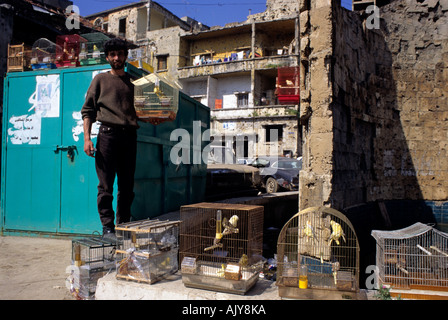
point(49, 186)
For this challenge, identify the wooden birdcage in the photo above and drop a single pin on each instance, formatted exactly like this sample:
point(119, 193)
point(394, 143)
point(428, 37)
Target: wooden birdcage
point(318, 256)
point(221, 246)
point(147, 250)
point(413, 261)
point(19, 57)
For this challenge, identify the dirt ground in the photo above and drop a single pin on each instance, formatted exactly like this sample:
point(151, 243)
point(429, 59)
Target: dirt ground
point(34, 268)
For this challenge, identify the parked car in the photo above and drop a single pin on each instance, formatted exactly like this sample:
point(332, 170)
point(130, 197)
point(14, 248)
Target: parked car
point(278, 173)
point(226, 178)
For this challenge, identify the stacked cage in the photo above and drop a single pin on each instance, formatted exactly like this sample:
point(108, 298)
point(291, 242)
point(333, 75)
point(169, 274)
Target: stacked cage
point(221, 246)
point(43, 54)
point(413, 258)
point(18, 58)
point(68, 49)
point(156, 98)
point(92, 51)
point(92, 258)
point(147, 250)
point(318, 256)
point(288, 87)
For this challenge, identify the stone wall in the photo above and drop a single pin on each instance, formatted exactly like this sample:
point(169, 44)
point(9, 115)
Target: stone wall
point(316, 47)
point(373, 104)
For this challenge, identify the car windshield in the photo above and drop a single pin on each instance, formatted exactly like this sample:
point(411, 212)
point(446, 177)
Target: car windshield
point(287, 164)
point(281, 164)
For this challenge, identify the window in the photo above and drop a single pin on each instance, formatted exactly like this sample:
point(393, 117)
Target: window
point(243, 100)
point(162, 62)
point(274, 133)
point(122, 27)
point(105, 27)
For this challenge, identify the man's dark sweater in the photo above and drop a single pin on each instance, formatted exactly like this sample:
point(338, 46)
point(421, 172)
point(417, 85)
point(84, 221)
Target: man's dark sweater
point(110, 100)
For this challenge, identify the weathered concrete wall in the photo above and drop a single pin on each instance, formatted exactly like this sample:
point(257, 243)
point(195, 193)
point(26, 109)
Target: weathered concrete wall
point(315, 98)
point(417, 36)
point(374, 104)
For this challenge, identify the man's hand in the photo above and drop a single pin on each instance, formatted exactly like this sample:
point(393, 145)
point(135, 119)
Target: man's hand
point(88, 148)
point(88, 144)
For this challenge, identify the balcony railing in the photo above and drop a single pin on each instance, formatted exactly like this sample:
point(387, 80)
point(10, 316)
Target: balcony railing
point(261, 63)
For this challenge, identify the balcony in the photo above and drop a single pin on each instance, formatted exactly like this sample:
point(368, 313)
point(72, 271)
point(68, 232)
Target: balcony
point(238, 66)
point(272, 111)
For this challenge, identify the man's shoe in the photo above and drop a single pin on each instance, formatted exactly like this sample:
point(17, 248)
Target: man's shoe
point(109, 235)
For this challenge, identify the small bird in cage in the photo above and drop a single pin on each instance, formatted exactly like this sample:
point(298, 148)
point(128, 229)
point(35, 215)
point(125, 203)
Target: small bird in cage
point(157, 90)
point(231, 225)
point(336, 233)
point(309, 231)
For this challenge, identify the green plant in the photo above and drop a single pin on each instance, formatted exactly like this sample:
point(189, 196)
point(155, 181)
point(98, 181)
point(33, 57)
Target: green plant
point(384, 294)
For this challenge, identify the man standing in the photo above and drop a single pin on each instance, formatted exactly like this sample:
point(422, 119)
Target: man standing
point(110, 100)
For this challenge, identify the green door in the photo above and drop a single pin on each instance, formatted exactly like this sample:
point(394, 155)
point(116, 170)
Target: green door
point(32, 185)
point(50, 185)
point(78, 177)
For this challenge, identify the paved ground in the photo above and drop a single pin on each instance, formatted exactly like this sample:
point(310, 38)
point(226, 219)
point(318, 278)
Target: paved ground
point(33, 268)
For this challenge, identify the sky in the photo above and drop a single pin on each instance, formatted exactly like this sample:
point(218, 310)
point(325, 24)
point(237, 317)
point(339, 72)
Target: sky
point(209, 12)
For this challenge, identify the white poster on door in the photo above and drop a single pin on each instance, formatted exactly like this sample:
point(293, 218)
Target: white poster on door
point(44, 101)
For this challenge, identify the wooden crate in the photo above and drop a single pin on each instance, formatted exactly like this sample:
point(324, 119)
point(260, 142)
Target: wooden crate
point(18, 58)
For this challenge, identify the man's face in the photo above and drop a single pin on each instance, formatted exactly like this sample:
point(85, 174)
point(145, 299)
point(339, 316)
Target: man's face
point(116, 59)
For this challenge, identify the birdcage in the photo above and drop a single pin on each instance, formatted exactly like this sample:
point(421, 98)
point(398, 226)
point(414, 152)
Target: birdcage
point(147, 250)
point(18, 57)
point(221, 246)
point(156, 98)
point(92, 258)
point(68, 49)
point(288, 88)
point(43, 54)
point(92, 51)
point(413, 258)
point(318, 256)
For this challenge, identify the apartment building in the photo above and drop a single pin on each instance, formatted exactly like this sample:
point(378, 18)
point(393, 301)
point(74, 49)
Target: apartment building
point(151, 27)
point(231, 69)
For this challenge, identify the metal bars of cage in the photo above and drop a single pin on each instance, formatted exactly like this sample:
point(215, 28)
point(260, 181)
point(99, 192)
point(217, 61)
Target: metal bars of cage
point(415, 257)
point(92, 258)
point(318, 249)
point(221, 246)
point(147, 250)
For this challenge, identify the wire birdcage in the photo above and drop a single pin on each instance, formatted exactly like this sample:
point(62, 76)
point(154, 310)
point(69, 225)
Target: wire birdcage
point(92, 258)
point(221, 246)
point(43, 54)
point(147, 250)
point(318, 255)
point(156, 98)
point(415, 257)
point(68, 49)
point(92, 51)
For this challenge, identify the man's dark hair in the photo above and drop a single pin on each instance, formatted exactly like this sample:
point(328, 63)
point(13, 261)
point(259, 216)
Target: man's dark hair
point(115, 44)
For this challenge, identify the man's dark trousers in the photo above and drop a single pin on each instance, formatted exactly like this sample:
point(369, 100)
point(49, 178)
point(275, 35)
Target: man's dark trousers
point(115, 155)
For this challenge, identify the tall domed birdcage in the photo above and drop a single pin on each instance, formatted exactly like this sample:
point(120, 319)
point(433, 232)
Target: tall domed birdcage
point(318, 256)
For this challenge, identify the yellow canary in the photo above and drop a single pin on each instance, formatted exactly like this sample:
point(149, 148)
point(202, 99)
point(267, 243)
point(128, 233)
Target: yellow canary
point(243, 261)
point(309, 231)
point(234, 220)
point(336, 233)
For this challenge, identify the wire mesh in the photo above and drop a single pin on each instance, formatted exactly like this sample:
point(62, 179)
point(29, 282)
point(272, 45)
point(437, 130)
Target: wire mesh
point(147, 250)
point(221, 241)
point(92, 258)
point(415, 257)
point(156, 99)
point(318, 248)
